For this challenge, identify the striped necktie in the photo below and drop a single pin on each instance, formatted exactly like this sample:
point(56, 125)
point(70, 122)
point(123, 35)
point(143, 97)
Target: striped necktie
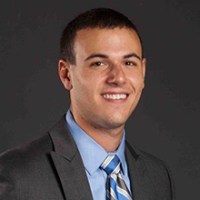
point(116, 187)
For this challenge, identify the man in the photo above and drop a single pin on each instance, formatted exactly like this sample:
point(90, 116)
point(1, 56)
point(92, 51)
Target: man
point(85, 156)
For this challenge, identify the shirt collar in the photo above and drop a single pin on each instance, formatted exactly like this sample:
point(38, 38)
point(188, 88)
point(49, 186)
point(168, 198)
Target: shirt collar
point(91, 152)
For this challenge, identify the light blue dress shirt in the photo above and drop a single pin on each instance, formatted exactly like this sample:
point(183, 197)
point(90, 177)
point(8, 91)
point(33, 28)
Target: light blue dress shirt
point(93, 156)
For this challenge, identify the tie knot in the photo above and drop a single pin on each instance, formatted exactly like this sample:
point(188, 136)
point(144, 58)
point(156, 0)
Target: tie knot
point(111, 165)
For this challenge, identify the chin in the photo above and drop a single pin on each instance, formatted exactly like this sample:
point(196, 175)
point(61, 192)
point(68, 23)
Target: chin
point(115, 123)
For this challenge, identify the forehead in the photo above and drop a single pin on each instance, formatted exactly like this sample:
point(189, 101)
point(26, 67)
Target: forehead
point(107, 41)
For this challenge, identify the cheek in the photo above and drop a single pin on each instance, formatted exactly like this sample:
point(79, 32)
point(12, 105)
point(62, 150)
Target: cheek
point(87, 83)
point(83, 87)
point(77, 90)
point(137, 81)
point(77, 80)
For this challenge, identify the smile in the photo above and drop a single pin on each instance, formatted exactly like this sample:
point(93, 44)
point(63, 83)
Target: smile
point(115, 96)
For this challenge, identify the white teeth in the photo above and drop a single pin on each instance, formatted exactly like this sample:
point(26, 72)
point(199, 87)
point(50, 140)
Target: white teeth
point(114, 96)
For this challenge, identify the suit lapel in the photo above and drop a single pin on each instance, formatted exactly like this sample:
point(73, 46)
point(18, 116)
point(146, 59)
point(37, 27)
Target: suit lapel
point(72, 175)
point(68, 164)
point(141, 185)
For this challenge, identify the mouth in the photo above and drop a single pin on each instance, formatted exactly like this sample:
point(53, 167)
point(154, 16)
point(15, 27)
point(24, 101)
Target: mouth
point(121, 96)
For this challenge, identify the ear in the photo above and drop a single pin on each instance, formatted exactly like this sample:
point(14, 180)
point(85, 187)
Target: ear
point(144, 61)
point(64, 73)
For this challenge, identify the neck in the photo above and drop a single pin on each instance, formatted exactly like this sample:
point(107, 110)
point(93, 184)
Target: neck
point(108, 138)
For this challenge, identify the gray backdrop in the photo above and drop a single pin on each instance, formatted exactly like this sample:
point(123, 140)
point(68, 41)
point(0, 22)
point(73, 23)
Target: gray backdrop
point(166, 122)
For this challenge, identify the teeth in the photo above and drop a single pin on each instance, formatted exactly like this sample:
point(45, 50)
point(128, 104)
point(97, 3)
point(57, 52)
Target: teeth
point(114, 96)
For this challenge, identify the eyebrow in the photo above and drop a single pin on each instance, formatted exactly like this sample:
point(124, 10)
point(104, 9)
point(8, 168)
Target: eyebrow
point(98, 55)
point(132, 55)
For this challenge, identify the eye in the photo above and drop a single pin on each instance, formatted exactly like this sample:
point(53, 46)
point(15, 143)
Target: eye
point(130, 63)
point(97, 64)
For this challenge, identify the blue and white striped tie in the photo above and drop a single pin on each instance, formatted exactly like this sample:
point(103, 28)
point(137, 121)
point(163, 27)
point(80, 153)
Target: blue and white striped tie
point(116, 187)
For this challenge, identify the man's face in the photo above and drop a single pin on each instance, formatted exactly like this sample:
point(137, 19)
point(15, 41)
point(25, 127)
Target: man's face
point(107, 80)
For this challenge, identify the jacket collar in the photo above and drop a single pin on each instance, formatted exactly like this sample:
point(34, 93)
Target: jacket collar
point(141, 184)
point(68, 164)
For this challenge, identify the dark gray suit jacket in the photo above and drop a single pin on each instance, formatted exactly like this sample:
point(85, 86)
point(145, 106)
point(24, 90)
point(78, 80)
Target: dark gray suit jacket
point(50, 168)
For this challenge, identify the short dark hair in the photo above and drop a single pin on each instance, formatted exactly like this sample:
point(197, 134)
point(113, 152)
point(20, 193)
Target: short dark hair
point(95, 18)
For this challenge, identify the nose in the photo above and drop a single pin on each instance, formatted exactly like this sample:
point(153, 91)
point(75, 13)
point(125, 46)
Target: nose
point(116, 75)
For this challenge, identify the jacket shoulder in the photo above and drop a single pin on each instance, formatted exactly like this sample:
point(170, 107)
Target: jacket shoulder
point(19, 165)
point(155, 169)
point(148, 159)
point(25, 153)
